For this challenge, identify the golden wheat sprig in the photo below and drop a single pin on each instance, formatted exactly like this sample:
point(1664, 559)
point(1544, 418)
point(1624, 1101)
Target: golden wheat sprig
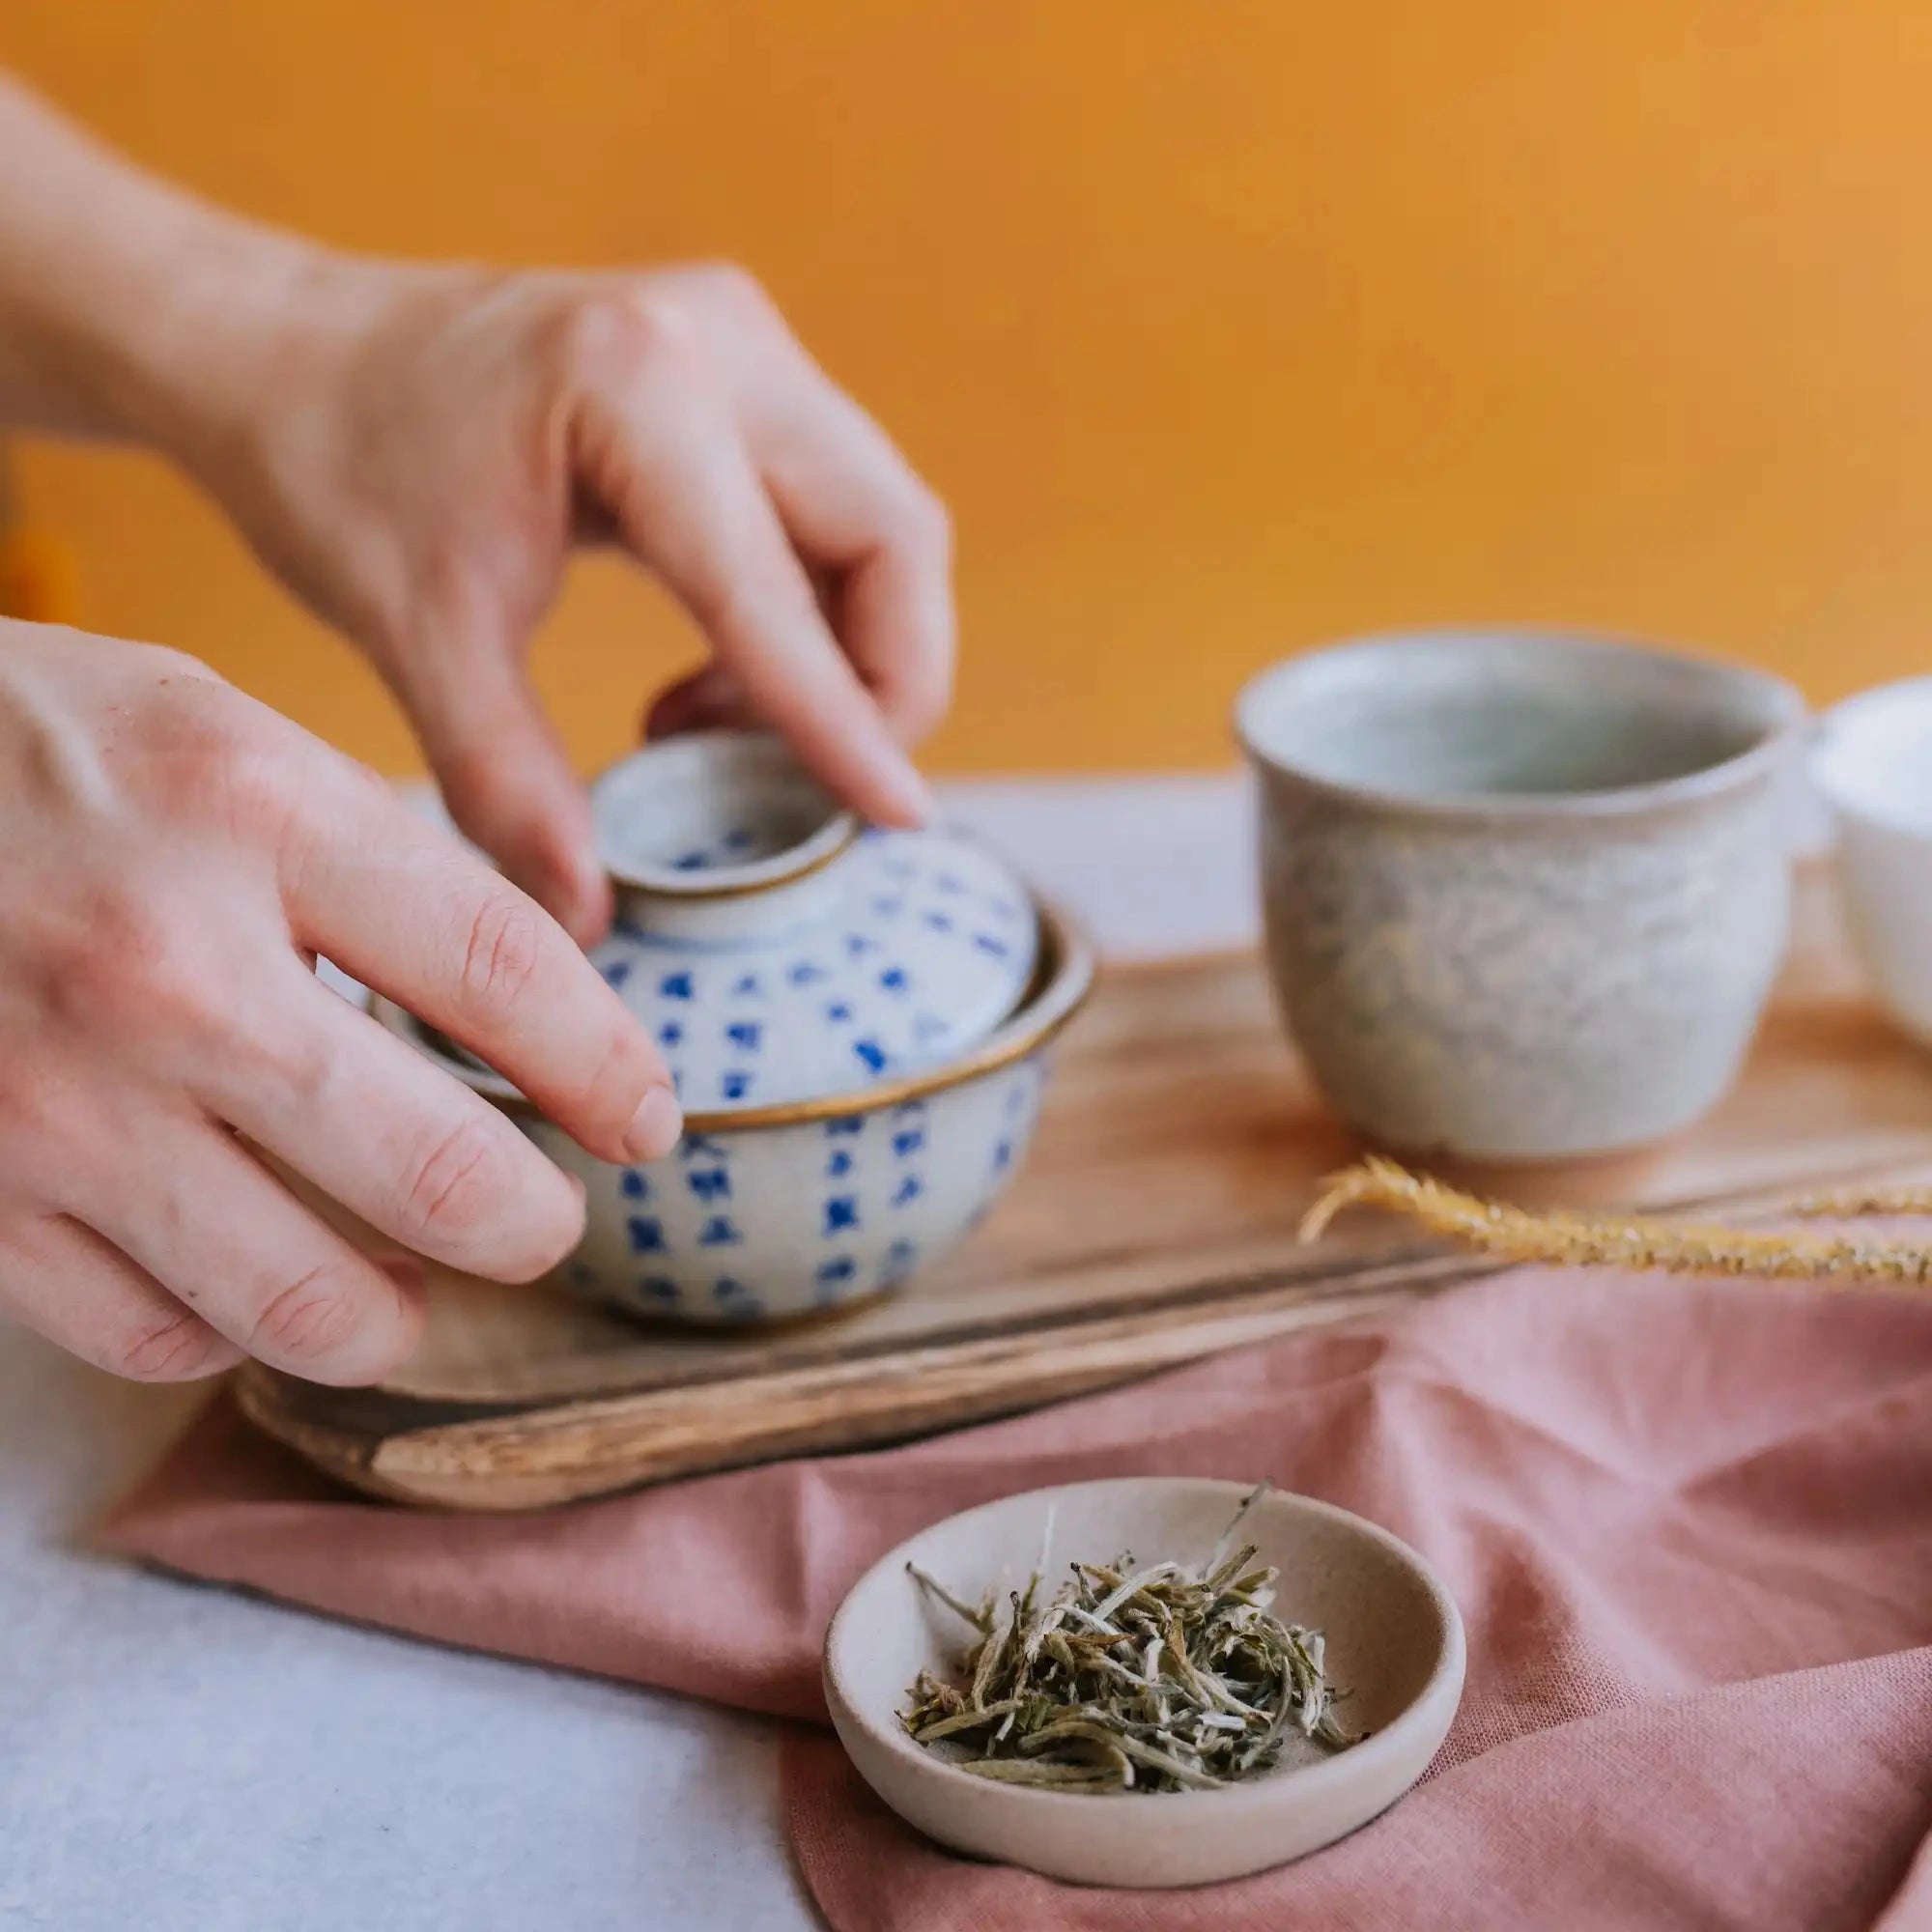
point(1859, 1203)
point(1612, 1240)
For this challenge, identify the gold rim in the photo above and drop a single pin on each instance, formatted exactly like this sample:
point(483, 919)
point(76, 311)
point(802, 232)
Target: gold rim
point(1061, 981)
point(680, 894)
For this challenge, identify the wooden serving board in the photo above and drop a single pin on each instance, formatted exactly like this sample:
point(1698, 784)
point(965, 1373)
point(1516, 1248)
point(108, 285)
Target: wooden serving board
point(1154, 1223)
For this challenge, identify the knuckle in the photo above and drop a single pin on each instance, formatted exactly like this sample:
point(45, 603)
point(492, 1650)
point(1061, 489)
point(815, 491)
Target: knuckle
point(139, 975)
point(220, 759)
point(633, 334)
point(32, 1123)
point(349, 780)
point(733, 291)
point(164, 663)
point(297, 1065)
point(923, 699)
point(924, 524)
point(502, 951)
point(174, 1348)
point(253, 783)
point(315, 1316)
point(451, 1192)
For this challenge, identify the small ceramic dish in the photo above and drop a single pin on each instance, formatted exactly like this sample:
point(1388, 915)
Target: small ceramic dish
point(1394, 1641)
point(1873, 765)
point(766, 1213)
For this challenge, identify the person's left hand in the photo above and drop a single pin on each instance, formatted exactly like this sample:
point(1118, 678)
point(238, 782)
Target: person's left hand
point(415, 450)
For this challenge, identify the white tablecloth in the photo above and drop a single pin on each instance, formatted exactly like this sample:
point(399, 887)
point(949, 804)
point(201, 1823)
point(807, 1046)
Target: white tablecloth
point(175, 1758)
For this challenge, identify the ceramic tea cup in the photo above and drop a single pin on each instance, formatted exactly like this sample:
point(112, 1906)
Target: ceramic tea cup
point(858, 1024)
point(764, 1213)
point(1873, 765)
point(1525, 893)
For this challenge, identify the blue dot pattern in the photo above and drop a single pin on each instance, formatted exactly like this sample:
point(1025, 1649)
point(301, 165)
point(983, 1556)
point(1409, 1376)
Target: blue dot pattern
point(735, 1300)
point(932, 931)
point(733, 845)
point(884, 1194)
point(833, 1281)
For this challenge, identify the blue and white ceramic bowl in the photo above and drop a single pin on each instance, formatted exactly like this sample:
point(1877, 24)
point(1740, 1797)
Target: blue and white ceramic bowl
point(765, 1213)
point(860, 1025)
point(774, 951)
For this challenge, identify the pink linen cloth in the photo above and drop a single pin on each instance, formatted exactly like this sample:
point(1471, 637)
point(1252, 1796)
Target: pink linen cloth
point(1689, 1525)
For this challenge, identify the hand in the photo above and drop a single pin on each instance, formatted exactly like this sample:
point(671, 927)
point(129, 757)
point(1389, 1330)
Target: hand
point(175, 856)
point(415, 450)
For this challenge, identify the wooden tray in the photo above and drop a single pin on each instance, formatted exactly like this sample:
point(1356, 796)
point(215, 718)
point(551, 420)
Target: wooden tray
point(1154, 1223)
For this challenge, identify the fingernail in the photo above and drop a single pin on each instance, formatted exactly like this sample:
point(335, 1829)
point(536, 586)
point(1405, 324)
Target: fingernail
point(655, 1126)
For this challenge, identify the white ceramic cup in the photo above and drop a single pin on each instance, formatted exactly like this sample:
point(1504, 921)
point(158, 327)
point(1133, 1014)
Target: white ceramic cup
point(1873, 766)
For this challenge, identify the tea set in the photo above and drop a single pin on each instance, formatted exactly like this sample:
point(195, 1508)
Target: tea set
point(1524, 897)
point(857, 1022)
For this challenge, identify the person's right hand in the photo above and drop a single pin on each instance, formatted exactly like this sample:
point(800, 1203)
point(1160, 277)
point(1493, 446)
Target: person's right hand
point(416, 448)
point(176, 855)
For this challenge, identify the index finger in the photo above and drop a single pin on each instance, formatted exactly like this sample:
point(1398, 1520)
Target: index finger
point(850, 501)
point(409, 912)
point(658, 444)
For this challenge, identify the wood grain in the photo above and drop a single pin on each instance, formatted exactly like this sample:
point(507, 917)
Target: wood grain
point(1155, 1223)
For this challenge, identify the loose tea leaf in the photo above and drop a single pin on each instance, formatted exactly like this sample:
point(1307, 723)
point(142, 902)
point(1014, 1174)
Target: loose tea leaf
point(1633, 1242)
point(1131, 1677)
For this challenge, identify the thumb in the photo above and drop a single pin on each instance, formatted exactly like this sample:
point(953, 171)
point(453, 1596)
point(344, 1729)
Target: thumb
point(707, 701)
point(510, 789)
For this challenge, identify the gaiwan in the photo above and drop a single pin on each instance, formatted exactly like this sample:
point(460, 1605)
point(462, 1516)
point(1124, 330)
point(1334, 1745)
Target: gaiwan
point(856, 1023)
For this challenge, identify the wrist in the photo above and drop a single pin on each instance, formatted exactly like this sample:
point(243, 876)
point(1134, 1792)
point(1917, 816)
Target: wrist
point(128, 309)
point(205, 350)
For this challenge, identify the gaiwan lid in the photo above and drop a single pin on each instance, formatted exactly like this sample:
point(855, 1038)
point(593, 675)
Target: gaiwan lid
point(773, 950)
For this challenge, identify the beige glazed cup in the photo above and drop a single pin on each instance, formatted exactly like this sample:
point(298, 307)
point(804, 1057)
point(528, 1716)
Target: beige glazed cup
point(1525, 893)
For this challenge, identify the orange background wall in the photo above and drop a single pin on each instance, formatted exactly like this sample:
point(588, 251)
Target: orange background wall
point(1225, 328)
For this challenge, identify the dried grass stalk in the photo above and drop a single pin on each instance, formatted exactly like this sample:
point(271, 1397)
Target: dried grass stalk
point(1856, 1204)
point(1627, 1240)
